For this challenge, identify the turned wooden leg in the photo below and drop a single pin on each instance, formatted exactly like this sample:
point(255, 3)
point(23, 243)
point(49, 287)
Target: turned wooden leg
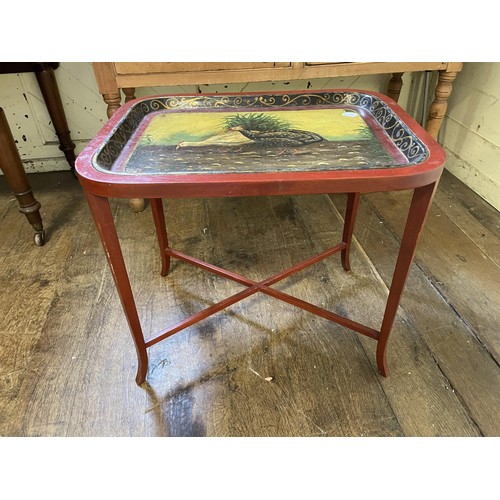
point(48, 85)
point(137, 204)
point(350, 219)
point(440, 103)
point(113, 100)
point(395, 85)
point(420, 204)
point(103, 218)
point(161, 233)
point(129, 94)
point(17, 180)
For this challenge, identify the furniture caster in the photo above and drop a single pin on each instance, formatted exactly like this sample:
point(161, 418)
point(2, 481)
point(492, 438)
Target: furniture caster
point(40, 238)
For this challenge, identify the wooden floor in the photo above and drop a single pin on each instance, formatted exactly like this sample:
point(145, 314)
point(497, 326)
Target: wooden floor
point(262, 367)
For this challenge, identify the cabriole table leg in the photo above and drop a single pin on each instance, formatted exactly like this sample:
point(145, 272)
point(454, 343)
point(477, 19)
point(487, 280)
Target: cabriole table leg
point(350, 218)
point(103, 219)
point(161, 233)
point(420, 204)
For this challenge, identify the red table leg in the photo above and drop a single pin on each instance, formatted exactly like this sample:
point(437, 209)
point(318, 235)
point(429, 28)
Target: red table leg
point(420, 204)
point(103, 218)
point(350, 219)
point(161, 233)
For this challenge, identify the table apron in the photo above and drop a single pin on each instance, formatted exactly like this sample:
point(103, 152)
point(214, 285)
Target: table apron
point(208, 189)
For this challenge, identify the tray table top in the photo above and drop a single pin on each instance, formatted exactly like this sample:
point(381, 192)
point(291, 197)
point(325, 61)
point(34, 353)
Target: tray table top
point(184, 139)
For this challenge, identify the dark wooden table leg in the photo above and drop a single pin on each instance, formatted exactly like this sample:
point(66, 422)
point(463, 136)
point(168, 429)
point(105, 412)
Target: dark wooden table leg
point(50, 92)
point(420, 204)
point(350, 218)
point(113, 100)
point(103, 218)
point(15, 176)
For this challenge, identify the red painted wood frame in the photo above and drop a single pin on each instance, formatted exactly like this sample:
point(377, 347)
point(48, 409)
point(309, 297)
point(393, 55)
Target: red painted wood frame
point(99, 186)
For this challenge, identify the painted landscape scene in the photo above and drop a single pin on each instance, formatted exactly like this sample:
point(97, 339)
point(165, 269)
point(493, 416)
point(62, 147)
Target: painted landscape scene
point(268, 141)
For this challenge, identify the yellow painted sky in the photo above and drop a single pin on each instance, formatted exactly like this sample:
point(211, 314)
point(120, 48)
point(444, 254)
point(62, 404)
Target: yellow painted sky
point(332, 124)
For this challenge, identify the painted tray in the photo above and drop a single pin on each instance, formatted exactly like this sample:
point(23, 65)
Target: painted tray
point(257, 133)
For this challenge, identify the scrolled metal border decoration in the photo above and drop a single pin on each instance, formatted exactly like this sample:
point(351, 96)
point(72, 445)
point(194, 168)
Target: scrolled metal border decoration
point(409, 145)
point(120, 135)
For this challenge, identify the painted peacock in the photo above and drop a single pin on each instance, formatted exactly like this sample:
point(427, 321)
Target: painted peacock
point(268, 130)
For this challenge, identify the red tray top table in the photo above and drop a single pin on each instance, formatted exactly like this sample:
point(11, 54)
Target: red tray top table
point(259, 144)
